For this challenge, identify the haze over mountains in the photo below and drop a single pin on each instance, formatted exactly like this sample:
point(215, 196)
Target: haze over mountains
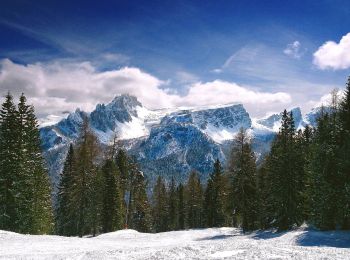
point(166, 141)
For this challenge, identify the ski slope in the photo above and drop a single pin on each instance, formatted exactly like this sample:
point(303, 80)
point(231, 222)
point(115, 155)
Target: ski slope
point(213, 243)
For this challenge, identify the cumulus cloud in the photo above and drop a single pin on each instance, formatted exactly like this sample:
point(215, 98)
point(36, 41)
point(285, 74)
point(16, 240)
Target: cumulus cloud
point(293, 50)
point(57, 87)
point(221, 92)
point(332, 55)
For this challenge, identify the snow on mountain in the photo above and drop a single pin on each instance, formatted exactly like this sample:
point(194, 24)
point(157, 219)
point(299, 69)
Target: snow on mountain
point(273, 121)
point(172, 141)
point(311, 117)
point(220, 123)
point(174, 149)
point(166, 141)
point(211, 243)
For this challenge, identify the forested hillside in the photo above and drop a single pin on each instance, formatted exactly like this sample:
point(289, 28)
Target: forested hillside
point(305, 178)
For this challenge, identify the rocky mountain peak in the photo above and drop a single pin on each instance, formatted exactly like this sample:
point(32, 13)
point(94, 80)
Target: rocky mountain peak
point(124, 102)
point(120, 110)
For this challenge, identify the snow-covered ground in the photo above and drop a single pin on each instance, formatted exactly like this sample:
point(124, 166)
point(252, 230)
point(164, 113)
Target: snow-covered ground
point(213, 243)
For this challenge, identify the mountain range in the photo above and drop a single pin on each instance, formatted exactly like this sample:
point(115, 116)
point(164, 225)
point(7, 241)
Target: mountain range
point(167, 142)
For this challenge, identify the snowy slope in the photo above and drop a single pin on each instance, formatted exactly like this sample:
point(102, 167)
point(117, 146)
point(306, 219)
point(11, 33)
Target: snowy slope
point(213, 243)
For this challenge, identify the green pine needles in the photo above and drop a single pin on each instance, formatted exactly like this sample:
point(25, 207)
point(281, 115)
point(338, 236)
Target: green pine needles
point(25, 190)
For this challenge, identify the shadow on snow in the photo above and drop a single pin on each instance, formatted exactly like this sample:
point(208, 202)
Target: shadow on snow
point(339, 239)
point(218, 237)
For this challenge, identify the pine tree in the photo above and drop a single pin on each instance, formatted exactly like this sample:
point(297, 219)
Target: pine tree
point(344, 152)
point(302, 148)
point(65, 210)
point(181, 208)
point(41, 208)
point(172, 202)
point(244, 191)
point(193, 195)
point(123, 163)
point(263, 192)
point(87, 152)
point(9, 168)
point(208, 206)
point(112, 214)
point(24, 183)
point(329, 167)
point(160, 206)
point(95, 191)
point(214, 198)
point(325, 182)
point(140, 211)
point(284, 171)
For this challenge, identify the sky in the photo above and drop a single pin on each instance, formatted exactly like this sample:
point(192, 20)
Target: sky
point(268, 55)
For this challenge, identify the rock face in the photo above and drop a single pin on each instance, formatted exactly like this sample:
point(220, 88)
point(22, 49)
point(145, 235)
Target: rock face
point(120, 110)
point(166, 142)
point(174, 149)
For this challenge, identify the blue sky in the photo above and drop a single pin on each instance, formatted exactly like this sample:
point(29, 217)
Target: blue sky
point(175, 50)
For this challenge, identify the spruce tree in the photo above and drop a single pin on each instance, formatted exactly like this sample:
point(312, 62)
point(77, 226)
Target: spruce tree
point(172, 202)
point(160, 206)
point(215, 197)
point(283, 166)
point(344, 152)
point(111, 212)
point(326, 194)
point(244, 182)
point(302, 148)
point(41, 208)
point(65, 209)
point(95, 191)
point(25, 171)
point(87, 152)
point(193, 196)
point(329, 168)
point(9, 167)
point(263, 192)
point(208, 204)
point(140, 210)
point(123, 163)
point(181, 208)
point(24, 183)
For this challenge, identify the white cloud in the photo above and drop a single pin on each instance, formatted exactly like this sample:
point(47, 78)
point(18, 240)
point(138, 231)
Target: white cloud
point(222, 92)
point(60, 86)
point(293, 50)
point(332, 55)
point(57, 87)
point(326, 100)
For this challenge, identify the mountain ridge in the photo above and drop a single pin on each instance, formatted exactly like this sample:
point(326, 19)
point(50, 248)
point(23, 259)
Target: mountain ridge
point(165, 141)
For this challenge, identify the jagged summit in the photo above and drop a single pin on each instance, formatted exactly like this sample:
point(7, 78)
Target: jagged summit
point(122, 109)
point(125, 101)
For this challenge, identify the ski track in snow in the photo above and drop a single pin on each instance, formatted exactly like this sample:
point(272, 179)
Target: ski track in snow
point(212, 243)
